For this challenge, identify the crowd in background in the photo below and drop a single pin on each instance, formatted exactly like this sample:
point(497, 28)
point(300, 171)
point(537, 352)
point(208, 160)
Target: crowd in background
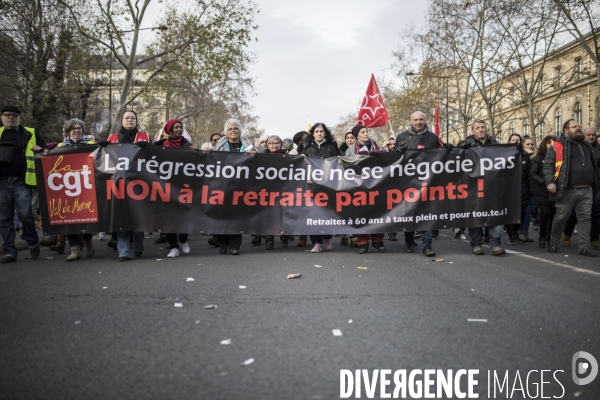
point(559, 185)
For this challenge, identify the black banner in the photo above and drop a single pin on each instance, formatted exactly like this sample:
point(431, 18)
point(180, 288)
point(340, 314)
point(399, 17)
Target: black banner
point(89, 188)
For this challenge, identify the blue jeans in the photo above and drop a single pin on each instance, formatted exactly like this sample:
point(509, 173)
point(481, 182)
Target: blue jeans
point(123, 239)
point(527, 218)
point(15, 195)
point(476, 235)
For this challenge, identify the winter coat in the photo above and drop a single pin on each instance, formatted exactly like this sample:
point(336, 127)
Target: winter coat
point(374, 149)
point(525, 186)
point(537, 182)
point(474, 142)
point(561, 181)
point(329, 148)
point(222, 144)
point(411, 140)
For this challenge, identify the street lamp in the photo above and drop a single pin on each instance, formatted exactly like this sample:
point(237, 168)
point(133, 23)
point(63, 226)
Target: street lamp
point(444, 77)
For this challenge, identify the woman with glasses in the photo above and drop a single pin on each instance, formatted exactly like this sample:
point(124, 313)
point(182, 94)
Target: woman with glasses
point(321, 144)
point(234, 142)
point(75, 136)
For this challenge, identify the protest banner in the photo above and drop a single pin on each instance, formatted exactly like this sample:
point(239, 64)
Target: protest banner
point(126, 187)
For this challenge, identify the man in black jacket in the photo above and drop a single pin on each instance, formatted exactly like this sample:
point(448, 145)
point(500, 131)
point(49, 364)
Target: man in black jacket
point(591, 137)
point(479, 137)
point(418, 136)
point(17, 181)
point(571, 175)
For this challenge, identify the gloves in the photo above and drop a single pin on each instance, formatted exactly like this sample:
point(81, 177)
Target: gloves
point(142, 144)
point(401, 149)
point(449, 146)
point(466, 145)
point(520, 147)
point(103, 143)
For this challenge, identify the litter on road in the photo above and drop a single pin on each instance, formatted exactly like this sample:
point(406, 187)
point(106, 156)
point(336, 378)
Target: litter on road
point(293, 276)
point(104, 287)
point(77, 322)
point(350, 321)
point(362, 267)
point(318, 266)
point(189, 279)
point(242, 287)
point(438, 259)
point(248, 361)
point(178, 303)
point(226, 341)
point(159, 259)
point(210, 306)
point(336, 332)
point(476, 320)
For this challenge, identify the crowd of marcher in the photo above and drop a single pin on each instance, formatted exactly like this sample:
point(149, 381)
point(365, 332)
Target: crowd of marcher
point(560, 184)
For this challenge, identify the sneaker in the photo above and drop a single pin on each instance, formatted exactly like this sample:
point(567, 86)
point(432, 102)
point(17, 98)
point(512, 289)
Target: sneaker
point(458, 233)
point(478, 251)
point(512, 241)
point(161, 239)
point(552, 248)
point(124, 259)
point(7, 259)
point(316, 248)
point(185, 247)
point(427, 252)
point(463, 237)
point(138, 254)
point(213, 242)
point(586, 251)
point(223, 249)
point(35, 252)
point(101, 236)
point(410, 247)
point(234, 252)
point(392, 237)
point(173, 253)
point(255, 240)
point(363, 248)
point(498, 251)
point(379, 246)
point(284, 240)
point(518, 239)
point(327, 244)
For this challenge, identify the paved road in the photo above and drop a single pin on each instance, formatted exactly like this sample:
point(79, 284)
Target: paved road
point(100, 329)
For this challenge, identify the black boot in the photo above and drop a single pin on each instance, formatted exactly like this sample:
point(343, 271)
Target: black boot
point(542, 242)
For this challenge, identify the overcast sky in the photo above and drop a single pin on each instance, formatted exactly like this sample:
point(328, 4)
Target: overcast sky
point(315, 57)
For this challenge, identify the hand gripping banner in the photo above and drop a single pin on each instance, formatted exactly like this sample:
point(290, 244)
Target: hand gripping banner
point(126, 187)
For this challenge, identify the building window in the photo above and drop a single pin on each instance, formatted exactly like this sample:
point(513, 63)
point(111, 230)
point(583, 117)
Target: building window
point(541, 127)
point(512, 128)
point(578, 68)
point(558, 122)
point(526, 127)
point(558, 77)
point(578, 115)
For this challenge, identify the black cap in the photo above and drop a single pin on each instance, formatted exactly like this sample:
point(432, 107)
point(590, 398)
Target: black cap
point(14, 109)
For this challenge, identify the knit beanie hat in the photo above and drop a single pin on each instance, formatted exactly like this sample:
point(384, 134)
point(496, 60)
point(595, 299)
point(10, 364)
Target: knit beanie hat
point(357, 129)
point(170, 124)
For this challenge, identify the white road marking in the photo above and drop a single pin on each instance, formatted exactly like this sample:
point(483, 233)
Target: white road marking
point(572, 268)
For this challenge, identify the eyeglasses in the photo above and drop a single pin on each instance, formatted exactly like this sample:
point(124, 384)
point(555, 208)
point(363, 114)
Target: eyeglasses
point(10, 115)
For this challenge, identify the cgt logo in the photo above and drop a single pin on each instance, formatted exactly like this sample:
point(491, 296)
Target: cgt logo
point(581, 368)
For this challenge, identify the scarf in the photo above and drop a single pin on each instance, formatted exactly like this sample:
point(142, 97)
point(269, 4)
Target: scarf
point(175, 143)
point(128, 134)
point(370, 145)
point(412, 130)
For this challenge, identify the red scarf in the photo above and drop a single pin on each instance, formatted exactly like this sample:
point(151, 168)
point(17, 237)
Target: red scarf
point(173, 142)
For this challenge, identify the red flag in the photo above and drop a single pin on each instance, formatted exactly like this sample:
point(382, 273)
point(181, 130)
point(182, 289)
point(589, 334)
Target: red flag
point(372, 111)
point(436, 125)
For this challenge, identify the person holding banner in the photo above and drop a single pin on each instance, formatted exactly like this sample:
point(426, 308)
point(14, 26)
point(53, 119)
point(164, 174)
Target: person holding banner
point(175, 140)
point(128, 133)
point(75, 129)
point(233, 141)
point(479, 137)
point(418, 136)
point(274, 146)
point(322, 144)
point(513, 229)
point(366, 146)
point(349, 140)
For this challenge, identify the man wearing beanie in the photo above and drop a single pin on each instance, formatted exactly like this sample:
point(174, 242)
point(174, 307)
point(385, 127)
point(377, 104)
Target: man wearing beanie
point(17, 181)
point(418, 136)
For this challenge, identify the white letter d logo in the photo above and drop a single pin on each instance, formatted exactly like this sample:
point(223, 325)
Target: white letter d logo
point(582, 367)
